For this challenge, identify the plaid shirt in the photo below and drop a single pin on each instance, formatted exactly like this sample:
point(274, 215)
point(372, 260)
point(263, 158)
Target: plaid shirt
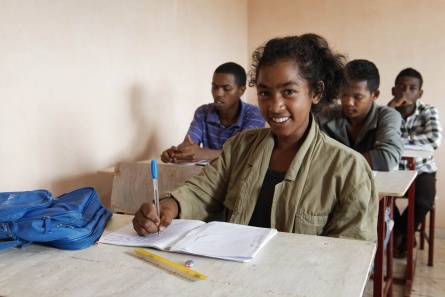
point(422, 127)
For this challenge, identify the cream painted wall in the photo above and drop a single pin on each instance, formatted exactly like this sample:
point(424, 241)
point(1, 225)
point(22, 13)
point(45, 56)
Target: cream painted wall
point(393, 34)
point(87, 84)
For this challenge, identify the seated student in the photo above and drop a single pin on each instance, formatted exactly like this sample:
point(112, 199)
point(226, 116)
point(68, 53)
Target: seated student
point(420, 125)
point(216, 122)
point(290, 176)
point(359, 123)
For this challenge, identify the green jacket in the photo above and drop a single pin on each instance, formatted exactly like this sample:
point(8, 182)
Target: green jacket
point(328, 189)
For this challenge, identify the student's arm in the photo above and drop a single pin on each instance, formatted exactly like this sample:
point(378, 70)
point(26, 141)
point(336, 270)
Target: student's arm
point(431, 132)
point(367, 156)
point(359, 210)
point(388, 146)
point(202, 197)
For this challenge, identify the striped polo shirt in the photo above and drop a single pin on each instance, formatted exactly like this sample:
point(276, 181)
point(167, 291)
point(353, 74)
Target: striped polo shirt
point(206, 129)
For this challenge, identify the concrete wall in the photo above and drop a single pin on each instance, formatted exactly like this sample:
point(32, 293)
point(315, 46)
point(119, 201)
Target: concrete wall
point(87, 84)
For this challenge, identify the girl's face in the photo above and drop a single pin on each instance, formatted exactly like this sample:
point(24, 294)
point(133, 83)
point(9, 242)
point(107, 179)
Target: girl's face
point(284, 99)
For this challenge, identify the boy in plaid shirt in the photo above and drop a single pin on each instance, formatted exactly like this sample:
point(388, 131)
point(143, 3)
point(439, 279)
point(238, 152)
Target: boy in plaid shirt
point(420, 126)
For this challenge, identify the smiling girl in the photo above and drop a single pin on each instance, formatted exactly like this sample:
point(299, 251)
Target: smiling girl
point(290, 176)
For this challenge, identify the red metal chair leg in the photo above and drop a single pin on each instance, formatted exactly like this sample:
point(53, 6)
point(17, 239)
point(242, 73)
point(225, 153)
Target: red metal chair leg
point(428, 236)
point(431, 235)
point(422, 234)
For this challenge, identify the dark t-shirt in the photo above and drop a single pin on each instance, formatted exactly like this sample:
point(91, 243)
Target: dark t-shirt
point(261, 213)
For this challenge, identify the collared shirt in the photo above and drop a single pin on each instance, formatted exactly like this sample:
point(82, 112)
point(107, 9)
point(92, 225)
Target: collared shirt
point(380, 134)
point(206, 128)
point(422, 127)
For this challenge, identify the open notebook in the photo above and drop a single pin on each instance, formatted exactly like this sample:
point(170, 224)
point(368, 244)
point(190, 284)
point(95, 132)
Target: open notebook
point(215, 239)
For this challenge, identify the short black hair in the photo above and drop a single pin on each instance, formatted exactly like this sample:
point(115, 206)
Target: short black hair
point(364, 70)
point(412, 73)
point(236, 70)
point(316, 60)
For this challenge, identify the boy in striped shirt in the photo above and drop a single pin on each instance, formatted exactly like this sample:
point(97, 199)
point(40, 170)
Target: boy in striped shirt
point(216, 122)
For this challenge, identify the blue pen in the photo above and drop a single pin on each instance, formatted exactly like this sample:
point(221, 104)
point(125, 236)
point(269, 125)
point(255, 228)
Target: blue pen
point(154, 174)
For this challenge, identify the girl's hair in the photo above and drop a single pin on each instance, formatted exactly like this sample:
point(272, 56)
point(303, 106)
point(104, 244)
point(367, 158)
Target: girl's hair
point(316, 60)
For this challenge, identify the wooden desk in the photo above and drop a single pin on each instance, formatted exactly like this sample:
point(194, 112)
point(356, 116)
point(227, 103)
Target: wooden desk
point(389, 184)
point(289, 265)
point(111, 170)
point(106, 171)
point(417, 153)
point(394, 183)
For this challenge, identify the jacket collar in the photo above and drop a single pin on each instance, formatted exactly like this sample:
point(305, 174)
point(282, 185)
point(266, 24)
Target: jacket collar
point(264, 152)
point(304, 149)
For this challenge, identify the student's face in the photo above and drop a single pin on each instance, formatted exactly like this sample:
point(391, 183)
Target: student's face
point(284, 99)
point(408, 87)
point(357, 100)
point(225, 91)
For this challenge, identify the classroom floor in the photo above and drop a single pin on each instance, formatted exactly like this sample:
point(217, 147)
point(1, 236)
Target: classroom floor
point(428, 281)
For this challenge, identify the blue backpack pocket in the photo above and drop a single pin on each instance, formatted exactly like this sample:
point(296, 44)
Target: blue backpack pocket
point(13, 205)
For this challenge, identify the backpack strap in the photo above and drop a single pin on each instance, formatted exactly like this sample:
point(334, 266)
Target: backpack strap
point(7, 240)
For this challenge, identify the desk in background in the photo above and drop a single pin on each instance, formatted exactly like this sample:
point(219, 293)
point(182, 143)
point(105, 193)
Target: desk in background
point(289, 265)
point(107, 171)
point(418, 151)
point(410, 154)
point(389, 184)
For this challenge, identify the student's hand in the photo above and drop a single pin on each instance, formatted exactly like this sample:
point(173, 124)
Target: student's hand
point(399, 101)
point(188, 151)
point(146, 220)
point(168, 156)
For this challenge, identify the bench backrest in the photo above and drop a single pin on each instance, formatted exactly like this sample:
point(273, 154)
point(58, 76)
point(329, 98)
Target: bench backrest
point(133, 183)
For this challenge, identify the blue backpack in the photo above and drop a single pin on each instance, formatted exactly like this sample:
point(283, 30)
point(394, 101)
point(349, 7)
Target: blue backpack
point(72, 221)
